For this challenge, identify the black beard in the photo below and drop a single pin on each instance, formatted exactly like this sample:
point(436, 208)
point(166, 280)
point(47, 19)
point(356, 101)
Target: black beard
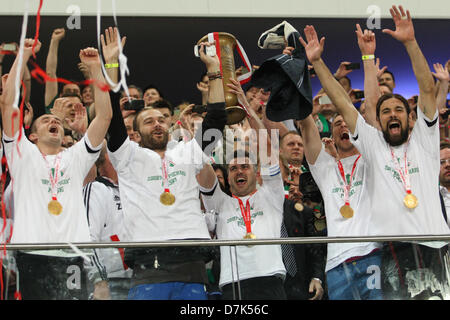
point(397, 142)
point(148, 141)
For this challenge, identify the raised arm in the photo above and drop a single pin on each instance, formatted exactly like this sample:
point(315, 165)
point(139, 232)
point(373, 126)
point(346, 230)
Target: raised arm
point(311, 139)
point(110, 50)
point(9, 111)
point(404, 32)
point(99, 126)
point(367, 45)
point(51, 87)
point(443, 77)
point(332, 87)
point(215, 116)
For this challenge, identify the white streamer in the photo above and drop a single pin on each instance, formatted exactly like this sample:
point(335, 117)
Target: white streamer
point(124, 71)
point(22, 44)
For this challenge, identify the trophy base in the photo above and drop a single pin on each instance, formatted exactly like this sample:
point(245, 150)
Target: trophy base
point(235, 114)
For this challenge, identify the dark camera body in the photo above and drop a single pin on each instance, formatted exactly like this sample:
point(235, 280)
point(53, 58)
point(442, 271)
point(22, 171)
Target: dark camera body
point(359, 95)
point(198, 109)
point(353, 66)
point(135, 105)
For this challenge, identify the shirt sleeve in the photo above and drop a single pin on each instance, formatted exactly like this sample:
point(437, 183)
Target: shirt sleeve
point(196, 156)
point(213, 198)
point(426, 132)
point(321, 168)
point(365, 137)
point(122, 157)
point(273, 186)
point(85, 154)
point(17, 151)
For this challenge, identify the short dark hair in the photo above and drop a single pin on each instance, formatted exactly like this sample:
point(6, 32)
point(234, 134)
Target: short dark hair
point(444, 144)
point(387, 96)
point(392, 75)
point(70, 95)
point(132, 86)
point(294, 132)
point(152, 86)
point(245, 154)
point(163, 104)
point(70, 82)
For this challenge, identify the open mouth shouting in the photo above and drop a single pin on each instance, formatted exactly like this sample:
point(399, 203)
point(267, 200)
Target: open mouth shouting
point(345, 136)
point(53, 129)
point(241, 181)
point(394, 127)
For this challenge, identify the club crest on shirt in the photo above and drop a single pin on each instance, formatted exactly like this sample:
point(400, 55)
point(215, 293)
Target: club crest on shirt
point(239, 220)
point(411, 170)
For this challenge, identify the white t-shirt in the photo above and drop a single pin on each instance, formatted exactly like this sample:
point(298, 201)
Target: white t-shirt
point(105, 217)
point(326, 174)
point(141, 184)
point(389, 214)
point(266, 218)
point(32, 191)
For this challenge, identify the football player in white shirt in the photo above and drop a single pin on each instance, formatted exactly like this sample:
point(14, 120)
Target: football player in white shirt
point(347, 206)
point(50, 178)
point(159, 189)
point(401, 169)
point(250, 213)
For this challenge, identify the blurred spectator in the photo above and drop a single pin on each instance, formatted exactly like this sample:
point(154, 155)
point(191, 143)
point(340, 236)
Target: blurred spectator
point(152, 94)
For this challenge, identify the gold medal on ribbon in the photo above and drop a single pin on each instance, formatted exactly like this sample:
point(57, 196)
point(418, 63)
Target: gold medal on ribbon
point(54, 207)
point(167, 199)
point(299, 207)
point(249, 235)
point(410, 201)
point(346, 211)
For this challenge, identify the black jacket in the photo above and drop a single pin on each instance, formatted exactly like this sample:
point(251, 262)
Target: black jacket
point(310, 258)
point(287, 79)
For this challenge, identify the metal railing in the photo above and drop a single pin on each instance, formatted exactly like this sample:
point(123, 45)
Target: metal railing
point(189, 243)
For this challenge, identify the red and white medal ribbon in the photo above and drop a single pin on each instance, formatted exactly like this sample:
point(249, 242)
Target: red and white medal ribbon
point(165, 175)
point(246, 214)
point(347, 186)
point(54, 177)
point(403, 172)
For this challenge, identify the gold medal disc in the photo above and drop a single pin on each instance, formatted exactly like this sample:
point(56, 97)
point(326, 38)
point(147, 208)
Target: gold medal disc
point(298, 206)
point(410, 201)
point(249, 236)
point(346, 211)
point(167, 199)
point(54, 207)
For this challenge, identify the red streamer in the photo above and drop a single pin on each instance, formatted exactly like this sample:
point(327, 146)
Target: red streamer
point(38, 25)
